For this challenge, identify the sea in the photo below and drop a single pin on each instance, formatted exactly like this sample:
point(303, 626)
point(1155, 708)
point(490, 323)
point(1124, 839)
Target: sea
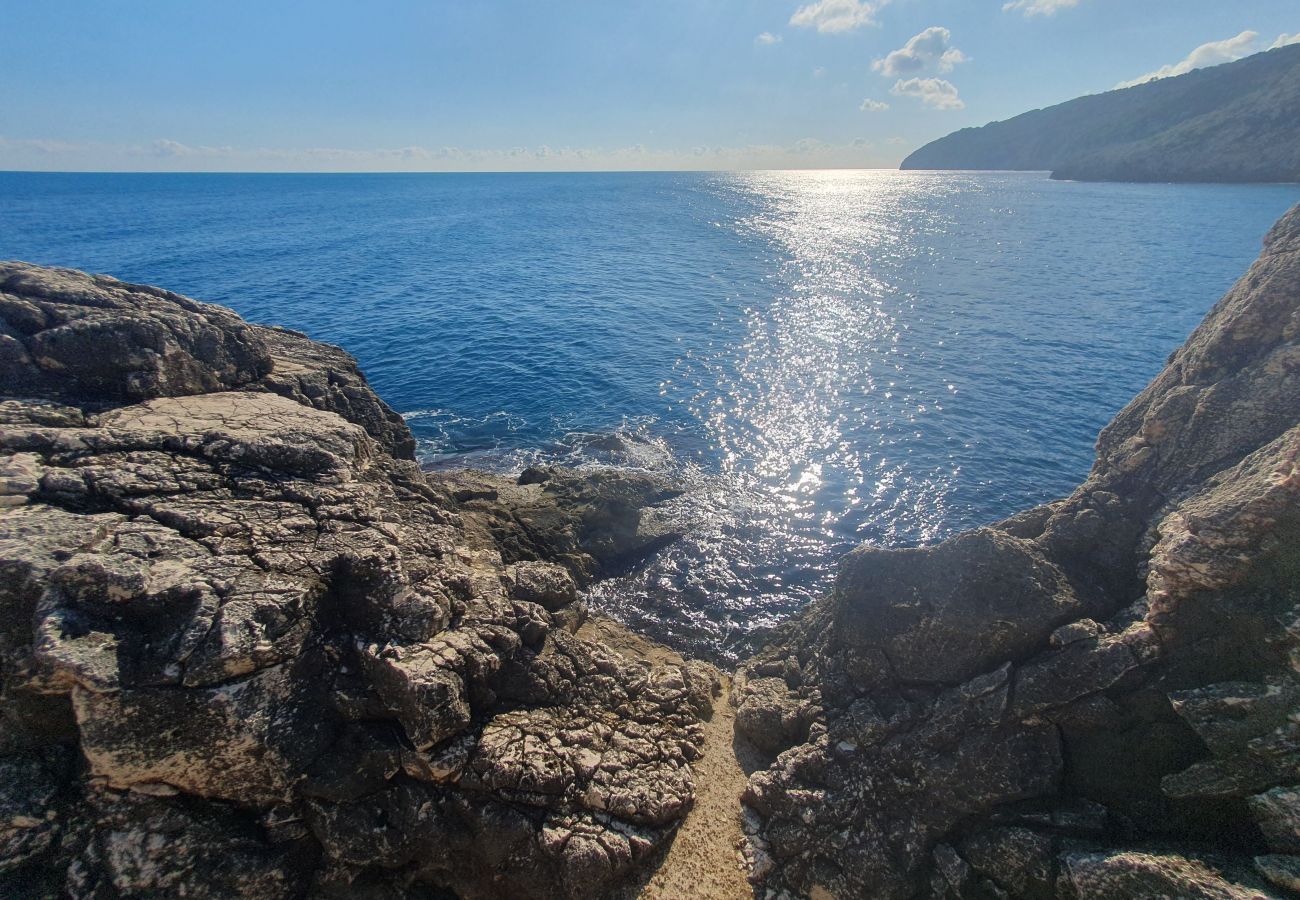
point(819, 358)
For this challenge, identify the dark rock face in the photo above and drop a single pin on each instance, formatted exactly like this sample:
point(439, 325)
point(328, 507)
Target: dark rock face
point(1099, 698)
point(249, 650)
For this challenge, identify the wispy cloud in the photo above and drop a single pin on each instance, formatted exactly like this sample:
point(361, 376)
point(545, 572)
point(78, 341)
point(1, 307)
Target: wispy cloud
point(171, 155)
point(1038, 7)
point(168, 148)
point(1211, 54)
point(767, 39)
point(832, 16)
point(1285, 40)
point(930, 50)
point(933, 92)
point(870, 105)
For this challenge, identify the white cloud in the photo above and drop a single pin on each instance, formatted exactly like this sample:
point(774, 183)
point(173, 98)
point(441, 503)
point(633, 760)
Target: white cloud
point(767, 39)
point(169, 155)
point(171, 148)
point(830, 16)
point(174, 149)
point(870, 105)
point(1285, 40)
point(930, 48)
point(809, 145)
point(933, 92)
point(1039, 7)
point(1211, 54)
point(40, 146)
point(819, 72)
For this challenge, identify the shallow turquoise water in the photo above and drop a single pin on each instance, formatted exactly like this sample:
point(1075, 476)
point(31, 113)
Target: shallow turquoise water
point(825, 357)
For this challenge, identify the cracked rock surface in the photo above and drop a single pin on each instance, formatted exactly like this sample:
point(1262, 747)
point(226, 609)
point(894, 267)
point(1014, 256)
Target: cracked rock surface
point(1099, 698)
point(249, 648)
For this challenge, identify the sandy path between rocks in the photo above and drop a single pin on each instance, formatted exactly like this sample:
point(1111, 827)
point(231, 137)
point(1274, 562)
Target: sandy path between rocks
point(703, 862)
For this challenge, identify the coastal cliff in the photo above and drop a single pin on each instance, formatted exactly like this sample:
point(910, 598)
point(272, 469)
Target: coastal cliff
point(250, 648)
point(1229, 123)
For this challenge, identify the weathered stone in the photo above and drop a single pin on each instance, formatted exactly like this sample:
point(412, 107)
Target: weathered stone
point(1100, 876)
point(1277, 812)
point(1022, 862)
point(1229, 716)
point(771, 716)
point(286, 661)
point(544, 583)
point(592, 523)
point(909, 605)
point(1283, 871)
point(90, 337)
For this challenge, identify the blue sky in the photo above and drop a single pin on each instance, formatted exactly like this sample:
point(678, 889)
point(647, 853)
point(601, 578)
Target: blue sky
point(425, 85)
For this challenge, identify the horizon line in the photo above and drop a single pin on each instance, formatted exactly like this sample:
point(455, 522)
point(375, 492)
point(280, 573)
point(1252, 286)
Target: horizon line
point(440, 171)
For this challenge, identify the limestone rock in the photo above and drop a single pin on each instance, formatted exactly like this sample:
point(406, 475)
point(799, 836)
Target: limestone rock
point(593, 523)
point(1094, 876)
point(1282, 871)
point(1277, 812)
point(920, 607)
point(247, 648)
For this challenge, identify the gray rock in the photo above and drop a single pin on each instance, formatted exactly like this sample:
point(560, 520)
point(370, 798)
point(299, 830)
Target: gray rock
point(1100, 876)
point(1283, 871)
point(772, 716)
point(593, 523)
point(908, 605)
point(286, 661)
point(1277, 812)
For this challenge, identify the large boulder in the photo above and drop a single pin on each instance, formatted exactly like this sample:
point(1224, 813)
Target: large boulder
point(918, 608)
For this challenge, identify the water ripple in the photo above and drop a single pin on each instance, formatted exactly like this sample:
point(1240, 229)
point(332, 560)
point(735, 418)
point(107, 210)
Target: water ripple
point(824, 358)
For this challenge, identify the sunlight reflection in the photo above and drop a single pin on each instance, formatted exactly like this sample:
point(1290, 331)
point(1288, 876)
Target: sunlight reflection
point(777, 404)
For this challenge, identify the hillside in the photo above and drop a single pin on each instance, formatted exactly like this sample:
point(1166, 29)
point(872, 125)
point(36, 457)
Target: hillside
point(1231, 123)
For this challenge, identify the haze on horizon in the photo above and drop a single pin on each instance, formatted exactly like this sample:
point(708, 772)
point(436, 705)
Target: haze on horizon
point(421, 85)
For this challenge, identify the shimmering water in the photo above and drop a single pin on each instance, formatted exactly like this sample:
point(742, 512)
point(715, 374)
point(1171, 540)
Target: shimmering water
point(824, 358)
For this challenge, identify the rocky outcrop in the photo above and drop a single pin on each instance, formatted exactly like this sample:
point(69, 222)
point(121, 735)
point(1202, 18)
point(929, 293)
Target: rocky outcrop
point(1098, 698)
point(249, 648)
point(95, 341)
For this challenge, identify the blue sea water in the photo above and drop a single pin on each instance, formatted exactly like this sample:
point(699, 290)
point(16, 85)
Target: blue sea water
point(823, 358)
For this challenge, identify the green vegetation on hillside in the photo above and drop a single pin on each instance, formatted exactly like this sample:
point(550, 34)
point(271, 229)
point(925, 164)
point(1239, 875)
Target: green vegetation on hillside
point(1235, 122)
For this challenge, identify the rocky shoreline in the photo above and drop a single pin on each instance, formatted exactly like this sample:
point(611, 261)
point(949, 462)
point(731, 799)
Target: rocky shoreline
point(249, 647)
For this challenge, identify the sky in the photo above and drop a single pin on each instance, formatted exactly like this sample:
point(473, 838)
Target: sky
point(491, 85)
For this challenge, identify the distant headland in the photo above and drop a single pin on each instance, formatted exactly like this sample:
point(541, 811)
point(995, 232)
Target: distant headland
point(1237, 122)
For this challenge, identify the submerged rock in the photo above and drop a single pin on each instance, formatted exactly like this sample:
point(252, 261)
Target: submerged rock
point(249, 648)
point(1081, 701)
